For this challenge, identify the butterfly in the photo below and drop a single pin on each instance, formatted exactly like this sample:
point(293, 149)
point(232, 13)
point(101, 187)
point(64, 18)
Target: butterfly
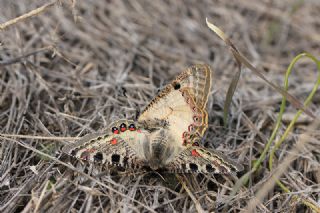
point(166, 135)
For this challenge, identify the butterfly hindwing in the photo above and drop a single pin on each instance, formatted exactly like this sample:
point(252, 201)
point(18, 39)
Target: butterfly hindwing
point(121, 144)
point(182, 105)
point(201, 160)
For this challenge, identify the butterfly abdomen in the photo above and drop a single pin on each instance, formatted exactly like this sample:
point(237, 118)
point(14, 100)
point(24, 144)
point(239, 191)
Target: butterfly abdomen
point(159, 150)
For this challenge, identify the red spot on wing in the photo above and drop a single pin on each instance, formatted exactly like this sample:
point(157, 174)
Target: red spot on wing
point(114, 141)
point(139, 130)
point(194, 153)
point(123, 129)
point(132, 127)
point(115, 130)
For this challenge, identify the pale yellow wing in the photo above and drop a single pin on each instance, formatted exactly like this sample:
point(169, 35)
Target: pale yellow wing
point(182, 105)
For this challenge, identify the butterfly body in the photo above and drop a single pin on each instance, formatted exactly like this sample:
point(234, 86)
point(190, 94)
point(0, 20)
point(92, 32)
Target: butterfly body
point(166, 134)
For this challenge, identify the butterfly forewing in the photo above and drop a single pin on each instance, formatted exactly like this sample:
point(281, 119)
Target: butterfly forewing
point(182, 104)
point(197, 80)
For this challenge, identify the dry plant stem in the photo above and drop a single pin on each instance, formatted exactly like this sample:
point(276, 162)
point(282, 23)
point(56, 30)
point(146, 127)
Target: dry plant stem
point(195, 201)
point(18, 59)
point(281, 169)
point(41, 196)
point(26, 15)
point(80, 172)
point(293, 100)
point(40, 137)
point(239, 57)
point(285, 94)
point(230, 93)
point(245, 178)
point(306, 103)
point(289, 128)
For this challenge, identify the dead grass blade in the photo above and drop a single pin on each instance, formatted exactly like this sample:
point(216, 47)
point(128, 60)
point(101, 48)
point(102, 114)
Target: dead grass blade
point(193, 198)
point(19, 59)
point(41, 137)
point(282, 168)
point(80, 172)
point(26, 15)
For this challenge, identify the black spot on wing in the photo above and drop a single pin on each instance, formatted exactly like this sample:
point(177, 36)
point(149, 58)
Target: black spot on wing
point(73, 152)
point(176, 85)
point(209, 168)
point(193, 167)
point(115, 158)
point(98, 156)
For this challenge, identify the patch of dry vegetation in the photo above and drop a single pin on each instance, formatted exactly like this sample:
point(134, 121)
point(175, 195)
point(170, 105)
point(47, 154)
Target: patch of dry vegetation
point(77, 66)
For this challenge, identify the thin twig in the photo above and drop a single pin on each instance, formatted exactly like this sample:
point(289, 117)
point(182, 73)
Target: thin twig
point(26, 15)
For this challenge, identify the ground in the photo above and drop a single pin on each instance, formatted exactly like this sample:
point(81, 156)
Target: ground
point(75, 66)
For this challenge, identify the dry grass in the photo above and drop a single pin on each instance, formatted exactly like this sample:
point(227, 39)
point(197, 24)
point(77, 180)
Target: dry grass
point(74, 68)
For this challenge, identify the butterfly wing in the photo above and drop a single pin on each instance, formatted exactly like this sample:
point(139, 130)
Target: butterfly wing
point(201, 160)
point(121, 144)
point(182, 105)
